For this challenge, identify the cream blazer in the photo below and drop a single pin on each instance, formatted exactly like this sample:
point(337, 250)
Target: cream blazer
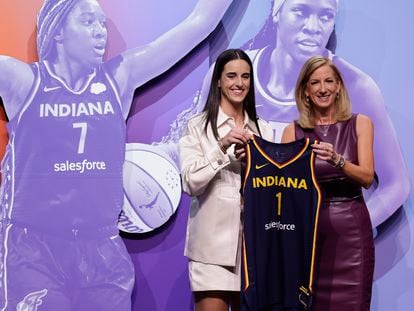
point(213, 180)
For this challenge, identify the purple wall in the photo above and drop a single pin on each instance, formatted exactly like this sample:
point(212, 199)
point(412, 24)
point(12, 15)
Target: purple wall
point(371, 39)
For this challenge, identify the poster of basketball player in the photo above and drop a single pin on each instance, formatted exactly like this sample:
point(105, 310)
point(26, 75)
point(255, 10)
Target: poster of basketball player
point(62, 186)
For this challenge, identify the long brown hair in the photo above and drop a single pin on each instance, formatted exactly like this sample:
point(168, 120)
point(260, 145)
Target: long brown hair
point(214, 95)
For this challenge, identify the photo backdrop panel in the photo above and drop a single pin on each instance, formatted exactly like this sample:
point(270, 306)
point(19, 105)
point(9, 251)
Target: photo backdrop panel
point(371, 40)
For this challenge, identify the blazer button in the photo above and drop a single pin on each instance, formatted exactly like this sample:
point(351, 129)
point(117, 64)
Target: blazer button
point(219, 162)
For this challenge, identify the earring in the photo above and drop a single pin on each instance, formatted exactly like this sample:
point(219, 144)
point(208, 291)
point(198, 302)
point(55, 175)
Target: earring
point(307, 99)
point(337, 95)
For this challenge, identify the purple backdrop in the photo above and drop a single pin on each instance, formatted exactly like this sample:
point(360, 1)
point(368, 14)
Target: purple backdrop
point(371, 39)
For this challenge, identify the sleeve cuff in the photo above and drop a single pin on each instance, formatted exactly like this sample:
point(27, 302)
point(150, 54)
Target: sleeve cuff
point(217, 158)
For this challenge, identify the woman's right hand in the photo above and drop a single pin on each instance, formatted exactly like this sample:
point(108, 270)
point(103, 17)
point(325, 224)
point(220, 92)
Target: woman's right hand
point(235, 136)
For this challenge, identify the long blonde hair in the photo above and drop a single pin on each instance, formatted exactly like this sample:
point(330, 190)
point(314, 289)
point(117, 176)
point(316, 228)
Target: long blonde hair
point(305, 107)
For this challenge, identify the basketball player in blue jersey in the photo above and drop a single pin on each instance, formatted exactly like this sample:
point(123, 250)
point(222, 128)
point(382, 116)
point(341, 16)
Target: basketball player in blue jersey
point(61, 191)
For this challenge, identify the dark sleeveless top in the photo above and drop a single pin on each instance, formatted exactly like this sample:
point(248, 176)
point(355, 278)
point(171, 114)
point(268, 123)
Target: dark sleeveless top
point(345, 247)
point(335, 185)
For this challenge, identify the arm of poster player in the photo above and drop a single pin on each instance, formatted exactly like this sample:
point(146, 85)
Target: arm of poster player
point(136, 66)
point(16, 79)
point(205, 87)
point(393, 182)
point(169, 143)
point(4, 137)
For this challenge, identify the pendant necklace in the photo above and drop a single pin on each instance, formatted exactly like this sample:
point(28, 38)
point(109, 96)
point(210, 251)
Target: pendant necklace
point(325, 127)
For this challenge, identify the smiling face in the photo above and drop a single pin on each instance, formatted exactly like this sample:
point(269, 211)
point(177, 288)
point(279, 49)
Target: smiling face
point(304, 26)
point(235, 82)
point(83, 34)
point(322, 87)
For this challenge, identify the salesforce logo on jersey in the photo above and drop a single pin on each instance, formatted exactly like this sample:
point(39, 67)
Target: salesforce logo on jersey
point(277, 225)
point(80, 167)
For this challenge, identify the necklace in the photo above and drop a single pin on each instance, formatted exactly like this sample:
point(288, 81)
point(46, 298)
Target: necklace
point(325, 127)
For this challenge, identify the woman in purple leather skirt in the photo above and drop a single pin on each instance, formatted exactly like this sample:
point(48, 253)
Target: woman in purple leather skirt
point(344, 163)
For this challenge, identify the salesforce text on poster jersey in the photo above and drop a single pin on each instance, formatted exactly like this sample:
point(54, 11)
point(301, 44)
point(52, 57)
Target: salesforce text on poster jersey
point(81, 167)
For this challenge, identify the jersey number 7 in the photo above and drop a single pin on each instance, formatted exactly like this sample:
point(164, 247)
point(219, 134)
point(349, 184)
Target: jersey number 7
point(84, 128)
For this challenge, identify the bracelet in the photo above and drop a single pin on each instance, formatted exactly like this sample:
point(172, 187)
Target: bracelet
point(221, 146)
point(341, 162)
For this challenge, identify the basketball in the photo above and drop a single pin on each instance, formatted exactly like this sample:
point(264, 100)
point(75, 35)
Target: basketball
point(152, 188)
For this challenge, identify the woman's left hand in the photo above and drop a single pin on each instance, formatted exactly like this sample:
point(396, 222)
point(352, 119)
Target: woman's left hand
point(325, 151)
point(240, 151)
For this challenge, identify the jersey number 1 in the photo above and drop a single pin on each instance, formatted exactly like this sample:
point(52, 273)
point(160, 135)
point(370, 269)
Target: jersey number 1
point(279, 203)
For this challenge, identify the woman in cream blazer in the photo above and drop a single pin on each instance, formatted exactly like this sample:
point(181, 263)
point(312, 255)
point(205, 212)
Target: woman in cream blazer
point(211, 158)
